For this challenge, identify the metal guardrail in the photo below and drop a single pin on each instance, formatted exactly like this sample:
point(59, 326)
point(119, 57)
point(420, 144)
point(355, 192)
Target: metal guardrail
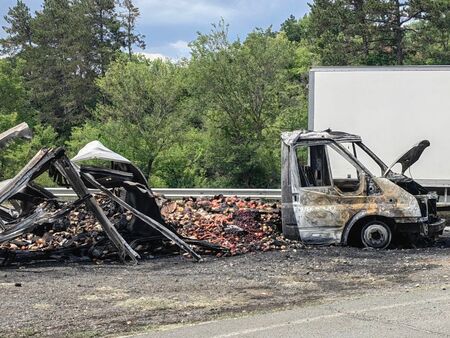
point(194, 192)
point(177, 193)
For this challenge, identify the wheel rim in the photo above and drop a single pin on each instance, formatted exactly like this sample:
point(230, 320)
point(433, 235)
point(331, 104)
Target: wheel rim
point(376, 236)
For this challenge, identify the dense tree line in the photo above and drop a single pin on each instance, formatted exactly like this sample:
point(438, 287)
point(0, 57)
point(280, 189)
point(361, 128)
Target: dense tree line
point(211, 120)
point(375, 32)
point(65, 47)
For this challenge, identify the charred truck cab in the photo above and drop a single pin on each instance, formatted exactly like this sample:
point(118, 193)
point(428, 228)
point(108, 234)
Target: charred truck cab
point(329, 196)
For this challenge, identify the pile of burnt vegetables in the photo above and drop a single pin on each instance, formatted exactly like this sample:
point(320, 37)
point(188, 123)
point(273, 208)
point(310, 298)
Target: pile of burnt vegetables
point(239, 225)
point(78, 232)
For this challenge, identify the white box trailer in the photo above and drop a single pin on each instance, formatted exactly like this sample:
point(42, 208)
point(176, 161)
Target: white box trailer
point(392, 108)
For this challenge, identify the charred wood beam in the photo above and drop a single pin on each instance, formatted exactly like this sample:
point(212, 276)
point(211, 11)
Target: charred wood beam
point(37, 165)
point(66, 168)
point(9, 257)
point(21, 130)
point(28, 224)
point(150, 221)
point(205, 245)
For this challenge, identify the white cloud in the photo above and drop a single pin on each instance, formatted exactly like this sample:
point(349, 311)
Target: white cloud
point(153, 56)
point(173, 51)
point(184, 11)
point(181, 48)
point(180, 44)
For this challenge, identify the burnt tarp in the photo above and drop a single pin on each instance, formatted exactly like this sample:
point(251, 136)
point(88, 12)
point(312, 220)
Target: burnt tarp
point(125, 177)
point(25, 206)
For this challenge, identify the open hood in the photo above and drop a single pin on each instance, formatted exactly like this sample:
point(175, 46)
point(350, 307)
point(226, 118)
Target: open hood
point(411, 156)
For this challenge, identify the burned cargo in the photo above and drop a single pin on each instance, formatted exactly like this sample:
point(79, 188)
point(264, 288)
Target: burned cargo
point(330, 196)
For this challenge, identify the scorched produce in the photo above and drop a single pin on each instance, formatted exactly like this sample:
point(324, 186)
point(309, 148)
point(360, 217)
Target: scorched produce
point(239, 225)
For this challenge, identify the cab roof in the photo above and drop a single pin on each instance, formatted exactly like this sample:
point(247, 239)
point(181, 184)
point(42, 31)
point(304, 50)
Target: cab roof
point(298, 136)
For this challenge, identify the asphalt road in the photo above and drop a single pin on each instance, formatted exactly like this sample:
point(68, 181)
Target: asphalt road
point(406, 313)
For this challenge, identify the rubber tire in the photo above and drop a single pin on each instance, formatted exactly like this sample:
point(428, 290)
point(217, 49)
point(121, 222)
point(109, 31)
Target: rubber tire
point(380, 229)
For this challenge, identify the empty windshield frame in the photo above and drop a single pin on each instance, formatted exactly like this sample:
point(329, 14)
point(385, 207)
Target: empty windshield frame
point(369, 152)
point(350, 157)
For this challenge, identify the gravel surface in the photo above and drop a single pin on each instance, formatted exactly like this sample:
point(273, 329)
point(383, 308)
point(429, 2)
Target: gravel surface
point(88, 300)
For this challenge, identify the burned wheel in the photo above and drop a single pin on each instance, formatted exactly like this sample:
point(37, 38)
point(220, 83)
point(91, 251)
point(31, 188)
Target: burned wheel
point(376, 234)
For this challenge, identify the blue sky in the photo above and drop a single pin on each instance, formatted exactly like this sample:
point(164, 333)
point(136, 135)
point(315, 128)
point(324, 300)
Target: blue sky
point(170, 24)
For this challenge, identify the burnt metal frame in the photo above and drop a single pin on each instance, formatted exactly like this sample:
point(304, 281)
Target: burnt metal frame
point(308, 145)
point(350, 157)
point(372, 155)
point(56, 158)
point(341, 150)
point(150, 221)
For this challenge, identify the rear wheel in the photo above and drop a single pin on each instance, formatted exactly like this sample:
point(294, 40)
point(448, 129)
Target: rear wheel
point(376, 234)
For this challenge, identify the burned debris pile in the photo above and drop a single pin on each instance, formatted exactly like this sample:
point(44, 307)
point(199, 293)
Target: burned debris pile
point(78, 231)
point(122, 219)
point(222, 226)
point(26, 207)
point(239, 225)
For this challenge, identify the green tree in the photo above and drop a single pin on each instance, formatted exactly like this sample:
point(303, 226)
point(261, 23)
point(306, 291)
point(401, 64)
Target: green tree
point(66, 46)
point(129, 16)
point(15, 108)
point(296, 29)
point(18, 29)
point(376, 32)
point(104, 37)
point(244, 89)
point(14, 98)
point(341, 32)
point(182, 163)
point(430, 38)
point(392, 20)
point(140, 116)
point(19, 152)
point(61, 88)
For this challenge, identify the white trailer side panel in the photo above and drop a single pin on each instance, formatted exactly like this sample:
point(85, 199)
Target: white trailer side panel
point(391, 108)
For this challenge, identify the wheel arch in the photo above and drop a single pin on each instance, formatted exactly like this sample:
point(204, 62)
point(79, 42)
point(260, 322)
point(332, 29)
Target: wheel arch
point(357, 222)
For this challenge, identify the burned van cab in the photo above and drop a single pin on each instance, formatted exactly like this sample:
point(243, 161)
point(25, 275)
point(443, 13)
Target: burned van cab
point(330, 196)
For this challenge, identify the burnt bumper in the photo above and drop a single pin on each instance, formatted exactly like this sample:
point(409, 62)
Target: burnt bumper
point(420, 226)
point(435, 228)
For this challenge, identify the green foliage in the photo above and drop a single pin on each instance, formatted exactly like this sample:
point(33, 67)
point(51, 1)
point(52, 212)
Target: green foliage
point(245, 88)
point(82, 135)
point(139, 115)
point(19, 152)
point(128, 20)
point(14, 98)
point(213, 120)
point(375, 32)
point(432, 45)
point(182, 163)
point(296, 30)
point(15, 108)
point(8, 121)
point(18, 29)
point(66, 46)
